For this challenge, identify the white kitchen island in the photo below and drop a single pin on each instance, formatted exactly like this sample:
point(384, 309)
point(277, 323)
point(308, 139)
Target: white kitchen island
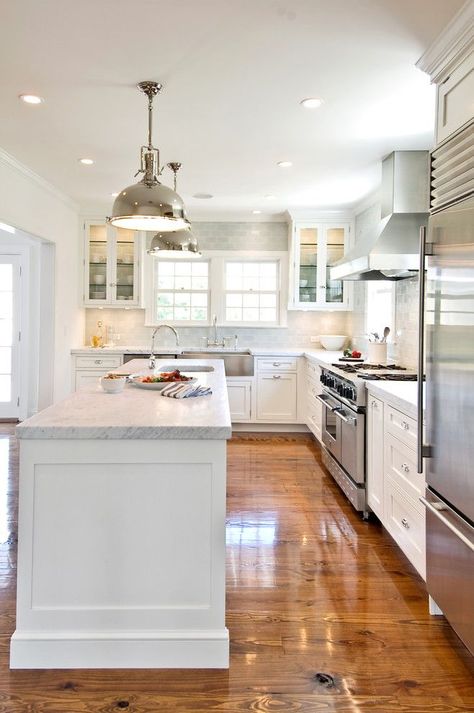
point(121, 559)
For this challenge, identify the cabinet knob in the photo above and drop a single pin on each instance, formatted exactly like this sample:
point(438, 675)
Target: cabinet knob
point(405, 467)
point(405, 523)
point(405, 425)
point(112, 284)
point(97, 361)
point(374, 404)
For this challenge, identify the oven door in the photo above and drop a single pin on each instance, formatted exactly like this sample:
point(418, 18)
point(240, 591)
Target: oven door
point(331, 425)
point(352, 428)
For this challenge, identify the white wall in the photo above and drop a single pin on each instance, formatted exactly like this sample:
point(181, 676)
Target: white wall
point(35, 206)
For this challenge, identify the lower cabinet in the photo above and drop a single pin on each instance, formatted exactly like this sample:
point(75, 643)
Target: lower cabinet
point(89, 369)
point(393, 483)
point(375, 453)
point(314, 409)
point(276, 397)
point(240, 400)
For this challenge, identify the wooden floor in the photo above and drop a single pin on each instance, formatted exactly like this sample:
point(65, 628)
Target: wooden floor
point(324, 612)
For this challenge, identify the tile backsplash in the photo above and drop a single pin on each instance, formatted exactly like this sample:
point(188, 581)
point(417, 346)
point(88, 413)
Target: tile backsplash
point(129, 323)
point(403, 343)
point(301, 326)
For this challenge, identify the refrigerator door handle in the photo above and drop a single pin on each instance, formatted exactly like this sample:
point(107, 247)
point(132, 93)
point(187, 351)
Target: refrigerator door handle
point(436, 509)
point(422, 450)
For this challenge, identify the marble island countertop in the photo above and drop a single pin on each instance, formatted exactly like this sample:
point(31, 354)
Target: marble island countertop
point(136, 413)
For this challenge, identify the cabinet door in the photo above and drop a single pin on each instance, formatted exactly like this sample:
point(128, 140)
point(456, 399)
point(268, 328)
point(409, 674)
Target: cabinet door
point(89, 377)
point(240, 399)
point(456, 100)
point(125, 267)
point(316, 248)
point(375, 451)
point(96, 265)
point(276, 397)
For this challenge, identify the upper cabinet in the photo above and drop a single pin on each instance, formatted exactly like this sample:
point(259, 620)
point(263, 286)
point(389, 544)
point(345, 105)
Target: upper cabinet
point(111, 266)
point(316, 247)
point(450, 63)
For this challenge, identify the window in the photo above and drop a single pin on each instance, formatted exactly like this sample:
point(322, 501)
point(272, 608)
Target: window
point(380, 306)
point(252, 291)
point(181, 291)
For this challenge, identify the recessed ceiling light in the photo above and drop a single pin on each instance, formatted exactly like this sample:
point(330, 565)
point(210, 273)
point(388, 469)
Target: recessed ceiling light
point(284, 164)
point(86, 161)
point(311, 103)
point(203, 195)
point(31, 99)
point(256, 212)
point(270, 197)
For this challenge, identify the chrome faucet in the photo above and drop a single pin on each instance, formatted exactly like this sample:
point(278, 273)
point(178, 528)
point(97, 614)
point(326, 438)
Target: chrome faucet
point(152, 360)
point(215, 342)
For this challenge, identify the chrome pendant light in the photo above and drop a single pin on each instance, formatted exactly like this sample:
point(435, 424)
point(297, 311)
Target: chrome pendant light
point(176, 243)
point(148, 205)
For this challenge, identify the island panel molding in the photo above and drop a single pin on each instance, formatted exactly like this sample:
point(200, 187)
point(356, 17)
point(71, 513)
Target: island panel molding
point(121, 552)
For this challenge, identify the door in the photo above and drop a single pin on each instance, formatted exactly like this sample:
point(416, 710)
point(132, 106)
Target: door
point(375, 455)
point(276, 397)
point(10, 335)
point(450, 356)
point(240, 395)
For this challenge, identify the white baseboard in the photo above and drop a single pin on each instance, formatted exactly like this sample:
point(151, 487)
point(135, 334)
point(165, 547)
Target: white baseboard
point(156, 649)
point(271, 427)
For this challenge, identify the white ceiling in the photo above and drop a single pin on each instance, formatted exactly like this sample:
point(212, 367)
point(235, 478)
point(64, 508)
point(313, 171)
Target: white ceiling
point(234, 72)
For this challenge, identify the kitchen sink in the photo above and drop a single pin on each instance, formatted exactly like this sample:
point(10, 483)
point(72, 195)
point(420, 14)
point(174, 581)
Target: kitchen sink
point(236, 363)
point(191, 367)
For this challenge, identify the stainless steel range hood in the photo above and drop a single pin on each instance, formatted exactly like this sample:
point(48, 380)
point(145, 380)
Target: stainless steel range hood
point(390, 251)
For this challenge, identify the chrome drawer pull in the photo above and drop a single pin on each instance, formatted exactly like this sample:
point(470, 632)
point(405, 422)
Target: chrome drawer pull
point(405, 425)
point(276, 376)
point(405, 523)
point(97, 361)
point(405, 467)
point(436, 509)
point(276, 363)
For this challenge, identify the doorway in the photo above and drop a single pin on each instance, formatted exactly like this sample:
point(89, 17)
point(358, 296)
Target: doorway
point(10, 335)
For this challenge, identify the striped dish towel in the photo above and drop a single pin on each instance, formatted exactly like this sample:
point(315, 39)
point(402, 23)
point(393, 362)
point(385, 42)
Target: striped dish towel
point(185, 391)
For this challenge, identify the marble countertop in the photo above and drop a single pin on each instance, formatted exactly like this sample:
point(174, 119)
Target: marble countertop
point(320, 355)
point(402, 395)
point(136, 413)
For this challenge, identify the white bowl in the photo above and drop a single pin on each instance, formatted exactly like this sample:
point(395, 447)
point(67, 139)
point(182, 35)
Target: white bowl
point(303, 283)
point(113, 386)
point(333, 342)
point(99, 279)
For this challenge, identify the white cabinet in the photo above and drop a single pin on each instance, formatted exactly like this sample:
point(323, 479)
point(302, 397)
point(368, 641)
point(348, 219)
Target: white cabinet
point(315, 248)
point(276, 397)
point(314, 412)
point(88, 369)
point(239, 392)
point(393, 484)
point(455, 100)
point(111, 266)
point(375, 452)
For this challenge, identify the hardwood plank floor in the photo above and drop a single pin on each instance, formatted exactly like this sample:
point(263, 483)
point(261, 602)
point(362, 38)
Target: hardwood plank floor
point(324, 612)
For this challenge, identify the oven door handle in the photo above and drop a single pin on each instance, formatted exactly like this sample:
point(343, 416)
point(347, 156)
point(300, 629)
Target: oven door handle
point(351, 420)
point(326, 403)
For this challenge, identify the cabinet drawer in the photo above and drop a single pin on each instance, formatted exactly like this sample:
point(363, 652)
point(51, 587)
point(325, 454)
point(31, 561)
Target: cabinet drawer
point(400, 465)
point(401, 426)
point(277, 364)
point(108, 361)
point(313, 370)
point(406, 524)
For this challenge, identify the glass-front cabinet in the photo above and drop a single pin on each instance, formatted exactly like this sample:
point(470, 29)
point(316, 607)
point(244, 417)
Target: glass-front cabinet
point(316, 248)
point(111, 266)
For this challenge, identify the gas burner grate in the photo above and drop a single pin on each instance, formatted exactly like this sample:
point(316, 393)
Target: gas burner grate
point(388, 377)
point(362, 366)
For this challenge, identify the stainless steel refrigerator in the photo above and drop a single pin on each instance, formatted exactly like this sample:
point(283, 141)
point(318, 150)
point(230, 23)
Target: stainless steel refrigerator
point(447, 447)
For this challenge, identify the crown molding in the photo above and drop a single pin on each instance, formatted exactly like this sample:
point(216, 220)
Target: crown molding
point(11, 162)
point(451, 47)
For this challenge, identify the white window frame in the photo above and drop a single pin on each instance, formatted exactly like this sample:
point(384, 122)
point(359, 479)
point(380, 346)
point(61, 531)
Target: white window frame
point(216, 287)
point(150, 320)
point(391, 318)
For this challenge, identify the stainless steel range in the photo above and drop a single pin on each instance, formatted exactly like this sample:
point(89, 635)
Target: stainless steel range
point(344, 399)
